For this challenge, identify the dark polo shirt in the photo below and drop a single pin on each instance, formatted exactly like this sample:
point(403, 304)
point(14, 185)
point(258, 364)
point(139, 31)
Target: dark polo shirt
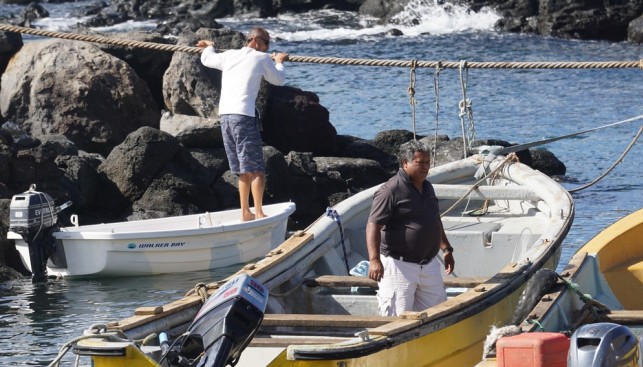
point(411, 219)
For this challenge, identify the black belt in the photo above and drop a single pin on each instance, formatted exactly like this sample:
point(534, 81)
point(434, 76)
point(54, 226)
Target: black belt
point(401, 258)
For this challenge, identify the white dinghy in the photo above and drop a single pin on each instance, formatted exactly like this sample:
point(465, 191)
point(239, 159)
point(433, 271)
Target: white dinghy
point(164, 245)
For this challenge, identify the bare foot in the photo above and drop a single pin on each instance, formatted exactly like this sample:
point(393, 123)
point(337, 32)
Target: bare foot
point(247, 216)
point(260, 215)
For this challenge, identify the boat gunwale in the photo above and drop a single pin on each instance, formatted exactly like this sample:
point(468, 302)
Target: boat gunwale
point(550, 302)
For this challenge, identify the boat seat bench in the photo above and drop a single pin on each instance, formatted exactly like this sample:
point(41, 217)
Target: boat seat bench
point(284, 342)
point(343, 281)
point(325, 320)
point(285, 329)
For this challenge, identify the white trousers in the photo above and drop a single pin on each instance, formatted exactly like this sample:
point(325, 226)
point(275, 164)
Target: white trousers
point(409, 287)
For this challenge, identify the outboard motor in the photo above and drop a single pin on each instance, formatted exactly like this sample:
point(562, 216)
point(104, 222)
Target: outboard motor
point(224, 326)
point(603, 344)
point(32, 215)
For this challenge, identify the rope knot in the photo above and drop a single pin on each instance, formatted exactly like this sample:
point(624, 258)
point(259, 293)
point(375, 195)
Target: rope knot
point(97, 329)
point(332, 213)
point(465, 107)
point(414, 64)
point(201, 290)
point(410, 91)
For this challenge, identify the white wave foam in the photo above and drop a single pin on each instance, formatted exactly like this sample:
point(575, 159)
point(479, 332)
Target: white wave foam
point(58, 24)
point(428, 16)
point(62, 24)
point(130, 25)
point(419, 17)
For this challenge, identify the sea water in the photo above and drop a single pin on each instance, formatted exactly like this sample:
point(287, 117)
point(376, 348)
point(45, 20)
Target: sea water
point(518, 106)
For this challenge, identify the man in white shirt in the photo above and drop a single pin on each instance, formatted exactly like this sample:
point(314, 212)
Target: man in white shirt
point(242, 71)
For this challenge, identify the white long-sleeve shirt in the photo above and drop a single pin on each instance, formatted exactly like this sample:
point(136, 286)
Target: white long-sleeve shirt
point(242, 72)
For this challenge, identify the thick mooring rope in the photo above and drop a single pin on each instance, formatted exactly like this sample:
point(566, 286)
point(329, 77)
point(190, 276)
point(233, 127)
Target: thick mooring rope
point(607, 171)
point(343, 61)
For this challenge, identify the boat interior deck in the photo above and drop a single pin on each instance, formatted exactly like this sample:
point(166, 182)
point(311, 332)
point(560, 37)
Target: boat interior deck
point(626, 281)
point(338, 308)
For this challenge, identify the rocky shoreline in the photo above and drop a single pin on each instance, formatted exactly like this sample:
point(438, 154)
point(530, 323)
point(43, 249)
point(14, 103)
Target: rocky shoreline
point(574, 19)
point(101, 140)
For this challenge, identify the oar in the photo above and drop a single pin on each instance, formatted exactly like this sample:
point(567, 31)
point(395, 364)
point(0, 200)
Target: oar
point(519, 147)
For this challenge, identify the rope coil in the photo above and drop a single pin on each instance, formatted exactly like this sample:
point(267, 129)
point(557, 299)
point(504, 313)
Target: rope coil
point(510, 158)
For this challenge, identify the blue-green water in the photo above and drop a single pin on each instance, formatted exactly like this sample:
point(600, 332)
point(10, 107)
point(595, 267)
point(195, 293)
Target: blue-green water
point(514, 105)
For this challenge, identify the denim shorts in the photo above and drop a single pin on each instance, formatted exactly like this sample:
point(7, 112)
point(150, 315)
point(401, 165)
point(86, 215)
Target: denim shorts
point(242, 142)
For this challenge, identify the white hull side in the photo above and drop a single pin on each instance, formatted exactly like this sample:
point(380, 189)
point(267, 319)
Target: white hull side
point(165, 246)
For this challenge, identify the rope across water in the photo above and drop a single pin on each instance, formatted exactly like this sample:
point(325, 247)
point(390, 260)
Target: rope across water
point(343, 61)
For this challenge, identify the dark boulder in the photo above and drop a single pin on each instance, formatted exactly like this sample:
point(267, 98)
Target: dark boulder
point(211, 162)
point(9, 256)
point(447, 151)
point(132, 166)
point(298, 6)
point(547, 163)
point(32, 12)
point(384, 9)
point(6, 154)
point(111, 13)
point(83, 179)
point(227, 191)
point(391, 140)
point(149, 64)
point(189, 88)
point(277, 180)
point(352, 147)
point(95, 100)
point(10, 43)
point(186, 19)
point(37, 165)
point(174, 191)
point(357, 173)
point(578, 19)
point(635, 31)
point(151, 175)
point(295, 121)
point(193, 131)
point(304, 191)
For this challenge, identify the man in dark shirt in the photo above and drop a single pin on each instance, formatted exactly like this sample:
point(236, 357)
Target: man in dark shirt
point(404, 234)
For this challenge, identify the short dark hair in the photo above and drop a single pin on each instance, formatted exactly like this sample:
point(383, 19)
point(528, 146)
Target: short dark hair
point(408, 150)
point(258, 32)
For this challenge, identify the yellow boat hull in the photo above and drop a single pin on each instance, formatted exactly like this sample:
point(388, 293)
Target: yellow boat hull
point(607, 269)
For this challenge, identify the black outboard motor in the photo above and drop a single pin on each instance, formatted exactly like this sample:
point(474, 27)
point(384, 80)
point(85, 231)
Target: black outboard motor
point(32, 214)
point(603, 344)
point(224, 326)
